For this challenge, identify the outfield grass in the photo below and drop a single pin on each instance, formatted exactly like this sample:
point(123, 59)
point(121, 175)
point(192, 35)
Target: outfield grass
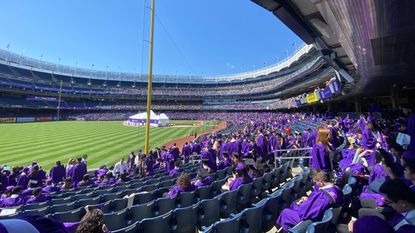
point(103, 141)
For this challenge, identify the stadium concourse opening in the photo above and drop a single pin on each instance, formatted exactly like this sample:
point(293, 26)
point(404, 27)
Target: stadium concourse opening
point(320, 141)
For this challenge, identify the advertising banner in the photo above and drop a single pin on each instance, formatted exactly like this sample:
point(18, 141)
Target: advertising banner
point(25, 119)
point(8, 120)
point(312, 97)
point(41, 119)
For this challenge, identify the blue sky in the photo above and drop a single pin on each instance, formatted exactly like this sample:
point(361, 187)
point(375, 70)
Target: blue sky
point(191, 36)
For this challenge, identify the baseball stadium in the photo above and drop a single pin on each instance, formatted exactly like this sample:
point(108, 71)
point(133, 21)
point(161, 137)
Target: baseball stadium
point(321, 140)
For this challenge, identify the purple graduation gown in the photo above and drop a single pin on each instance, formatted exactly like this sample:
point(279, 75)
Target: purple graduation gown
point(13, 200)
point(238, 182)
point(57, 173)
point(177, 189)
point(206, 181)
point(313, 208)
point(377, 173)
point(175, 171)
point(78, 172)
point(211, 156)
point(320, 159)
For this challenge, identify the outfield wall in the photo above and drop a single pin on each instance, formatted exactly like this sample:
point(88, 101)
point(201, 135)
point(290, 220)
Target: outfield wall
point(26, 119)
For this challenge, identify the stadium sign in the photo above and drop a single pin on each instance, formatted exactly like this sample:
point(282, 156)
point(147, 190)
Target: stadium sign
point(8, 120)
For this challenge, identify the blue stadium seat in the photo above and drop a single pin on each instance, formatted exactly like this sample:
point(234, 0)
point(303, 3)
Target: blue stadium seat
point(115, 205)
point(185, 219)
point(88, 201)
point(165, 205)
point(159, 224)
point(220, 174)
point(271, 212)
point(204, 192)
point(244, 196)
point(230, 225)
point(322, 225)
point(69, 216)
point(217, 186)
point(117, 220)
point(252, 218)
point(42, 211)
point(257, 187)
point(63, 207)
point(229, 203)
point(210, 211)
point(268, 180)
point(143, 197)
point(186, 199)
point(140, 212)
point(129, 229)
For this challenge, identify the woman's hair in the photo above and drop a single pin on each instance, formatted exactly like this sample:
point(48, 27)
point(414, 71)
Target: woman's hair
point(92, 222)
point(319, 176)
point(323, 136)
point(67, 183)
point(184, 181)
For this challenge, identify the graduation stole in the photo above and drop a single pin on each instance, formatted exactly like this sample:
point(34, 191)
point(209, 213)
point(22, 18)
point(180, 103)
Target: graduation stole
point(329, 196)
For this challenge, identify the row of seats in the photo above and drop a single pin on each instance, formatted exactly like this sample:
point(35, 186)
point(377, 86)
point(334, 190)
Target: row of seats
point(187, 210)
point(260, 217)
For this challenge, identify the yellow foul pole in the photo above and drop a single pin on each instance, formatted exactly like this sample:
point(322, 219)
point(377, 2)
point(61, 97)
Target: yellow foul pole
point(150, 78)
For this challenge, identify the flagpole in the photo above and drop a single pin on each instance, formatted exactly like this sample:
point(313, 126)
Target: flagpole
point(150, 77)
point(59, 101)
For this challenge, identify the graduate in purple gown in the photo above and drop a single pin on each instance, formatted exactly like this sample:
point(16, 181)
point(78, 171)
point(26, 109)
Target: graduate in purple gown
point(241, 177)
point(86, 181)
point(187, 150)
point(50, 187)
point(203, 178)
point(209, 154)
point(15, 199)
point(175, 151)
point(67, 184)
point(262, 144)
point(402, 199)
point(169, 161)
point(376, 224)
point(408, 159)
point(225, 162)
point(149, 165)
point(320, 154)
point(32, 224)
point(196, 148)
point(38, 196)
point(176, 170)
point(183, 184)
point(23, 179)
point(327, 195)
point(108, 180)
point(79, 171)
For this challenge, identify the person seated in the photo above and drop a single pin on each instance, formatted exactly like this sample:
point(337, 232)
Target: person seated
point(50, 187)
point(398, 196)
point(183, 184)
point(38, 196)
point(67, 184)
point(15, 199)
point(203, 178)
point(325, 195)
point(93, 221)
point(86, 181)
point(107, 181)
point(225, 162)
point(176, 170)
point(408, 161)
point(239, 178)
point(123, 178)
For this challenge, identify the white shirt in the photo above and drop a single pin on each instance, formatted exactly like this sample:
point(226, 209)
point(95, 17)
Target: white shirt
point(120, 167)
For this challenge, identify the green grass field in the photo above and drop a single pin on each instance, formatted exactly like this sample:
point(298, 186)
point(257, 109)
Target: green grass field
point(105, 142)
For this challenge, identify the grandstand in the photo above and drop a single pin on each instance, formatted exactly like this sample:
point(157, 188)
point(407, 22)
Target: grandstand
point(322, 141)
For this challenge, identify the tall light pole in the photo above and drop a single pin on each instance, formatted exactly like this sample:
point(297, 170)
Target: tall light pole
point(150, 78)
